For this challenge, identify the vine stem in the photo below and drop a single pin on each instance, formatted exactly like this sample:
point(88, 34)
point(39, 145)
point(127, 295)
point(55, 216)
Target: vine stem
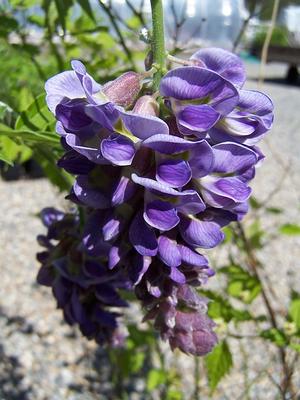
point(158, 41)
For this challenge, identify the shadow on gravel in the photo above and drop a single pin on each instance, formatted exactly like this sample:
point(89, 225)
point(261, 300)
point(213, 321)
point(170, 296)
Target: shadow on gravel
point(11, 387)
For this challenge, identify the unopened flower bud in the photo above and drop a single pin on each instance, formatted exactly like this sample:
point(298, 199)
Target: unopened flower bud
point(124, 89)
point(146, 105)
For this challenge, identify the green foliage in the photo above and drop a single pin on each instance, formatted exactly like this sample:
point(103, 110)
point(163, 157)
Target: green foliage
point(279, 37)
point(155, 378)
point(36, 117)
point(290, 229)
point(276, 336)
point(218, 363)
point(220, 308)
point(241, 284)
point(294, 309)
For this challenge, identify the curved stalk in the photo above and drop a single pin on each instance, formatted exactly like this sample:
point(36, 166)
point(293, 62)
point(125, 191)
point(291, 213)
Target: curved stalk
point(158, 41)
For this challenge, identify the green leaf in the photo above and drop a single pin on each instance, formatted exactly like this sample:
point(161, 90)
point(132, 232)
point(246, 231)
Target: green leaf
point(290, 229)
point(62, 7)
point(218, 363)
point(274, 210)
point(7, 114)
point(219, 307)
point(255, 204)
point(8, 24)
point(155, 378)
point(30, 137)
point(295, 346)
point(85, 5)
point(36, 117)
point(294, 311)
point(241, 284)
point(5, 159)
point(275, 336)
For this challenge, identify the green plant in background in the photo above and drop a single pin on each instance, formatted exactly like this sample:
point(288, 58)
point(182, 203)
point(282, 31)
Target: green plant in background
point(280, 37)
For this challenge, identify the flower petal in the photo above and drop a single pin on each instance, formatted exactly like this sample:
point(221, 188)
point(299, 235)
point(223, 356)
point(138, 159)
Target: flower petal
point(232, 157)
point(118, 149)
point(188, 201)
point(224, 192)
point(142, 237)
point(139, 268)
point(196, 119)
point(201, 159)
point(143, 126)
point(225, 63)
point(161, 215)
point(122, 191)
point(194, 83)
point(88, 195)
point(199, 233)
point(175, 173)
point(191, 257)
point(168, 251)
point(65, 84)
point(168, 144)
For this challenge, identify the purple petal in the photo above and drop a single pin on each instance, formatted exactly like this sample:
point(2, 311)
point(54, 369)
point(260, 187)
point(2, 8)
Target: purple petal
point(122, 191)
point(92, 237)
point(168, 251)
point(194, 83)
point(232, 157)
point(114, 256)
point(50, 215)
point(65, 84)
point(225, 63)
point(142, 237)
point(78, 67)
point(196, 119)
point(191, 257)
point(142, 126)
point(199, 233)
point(201, 159)
point(75, 163)
point(237, 125)
point(105, 114)
point(91, 153)
point(258, 104)
point(88, 195)
point(175, 173)
point(168, 144)
point(161, 215)
point(139, 268)
point(188, 201)
point(118, 149)
point(223, 192)
point(177, 276)
point(111, 228)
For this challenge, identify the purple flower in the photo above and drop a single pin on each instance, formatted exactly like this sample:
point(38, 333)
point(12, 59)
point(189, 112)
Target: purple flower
point(84, 289)
point(155, 183)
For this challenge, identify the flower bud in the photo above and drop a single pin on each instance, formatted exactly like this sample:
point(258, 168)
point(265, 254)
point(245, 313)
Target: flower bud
point(124, 89)
point(146, 105)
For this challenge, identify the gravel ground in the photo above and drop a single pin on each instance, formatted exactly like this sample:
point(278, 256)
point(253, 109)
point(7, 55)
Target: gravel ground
point(42, 358)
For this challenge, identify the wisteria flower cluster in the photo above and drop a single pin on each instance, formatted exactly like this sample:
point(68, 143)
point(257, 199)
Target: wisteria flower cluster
point(157, 177)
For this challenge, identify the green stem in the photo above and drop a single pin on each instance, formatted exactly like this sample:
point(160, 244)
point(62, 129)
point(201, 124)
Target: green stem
point(158, 41)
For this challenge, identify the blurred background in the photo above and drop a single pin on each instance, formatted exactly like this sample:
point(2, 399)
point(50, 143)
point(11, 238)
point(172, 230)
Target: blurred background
point(43, 358)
